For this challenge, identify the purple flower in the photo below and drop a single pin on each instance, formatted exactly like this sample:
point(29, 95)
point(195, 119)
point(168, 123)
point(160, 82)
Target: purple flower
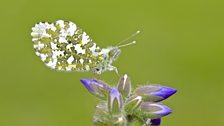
point(155, 110)
point(96, 87)
point(154, 122)
point(155, 93)
point(115, 101)
point(164, 92)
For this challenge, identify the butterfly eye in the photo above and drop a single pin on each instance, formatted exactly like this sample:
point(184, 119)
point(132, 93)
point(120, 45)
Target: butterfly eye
point(114, 53)
point(96, 69)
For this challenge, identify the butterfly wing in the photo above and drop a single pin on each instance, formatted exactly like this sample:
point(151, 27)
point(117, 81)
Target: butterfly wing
point(64, 46)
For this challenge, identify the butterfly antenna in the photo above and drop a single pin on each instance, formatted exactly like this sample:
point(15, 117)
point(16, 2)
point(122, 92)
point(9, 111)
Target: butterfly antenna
point(132, 35)
point(131, 43)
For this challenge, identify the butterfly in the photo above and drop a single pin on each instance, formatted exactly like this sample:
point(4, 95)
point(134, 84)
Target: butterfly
point(63, 46)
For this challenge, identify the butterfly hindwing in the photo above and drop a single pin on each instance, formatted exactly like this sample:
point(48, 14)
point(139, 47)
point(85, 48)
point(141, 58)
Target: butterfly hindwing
point(64, 46)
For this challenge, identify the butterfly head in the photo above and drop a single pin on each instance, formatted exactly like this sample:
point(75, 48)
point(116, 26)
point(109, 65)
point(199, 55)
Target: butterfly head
point(114, 53)
point(109, 55)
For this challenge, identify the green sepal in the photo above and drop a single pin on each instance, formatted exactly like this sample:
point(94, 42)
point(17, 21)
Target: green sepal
point(132, 104)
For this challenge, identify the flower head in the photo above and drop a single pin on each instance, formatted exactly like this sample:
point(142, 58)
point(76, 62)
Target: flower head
point(119, 106)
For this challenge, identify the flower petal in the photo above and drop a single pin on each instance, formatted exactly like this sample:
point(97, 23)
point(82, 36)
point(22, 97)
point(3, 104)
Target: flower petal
point(154, 122)
point(96, 87)
point(154, 93)
point(155, 110)
point(164, 92)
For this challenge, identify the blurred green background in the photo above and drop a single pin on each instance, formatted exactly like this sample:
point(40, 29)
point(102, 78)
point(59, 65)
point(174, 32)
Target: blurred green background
point(180, 45)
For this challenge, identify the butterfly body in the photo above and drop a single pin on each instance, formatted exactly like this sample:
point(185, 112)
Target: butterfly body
point(63, 46)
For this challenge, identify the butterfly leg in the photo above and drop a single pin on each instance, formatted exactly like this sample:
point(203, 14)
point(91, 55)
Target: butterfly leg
point(96, 76)
point(111, 68)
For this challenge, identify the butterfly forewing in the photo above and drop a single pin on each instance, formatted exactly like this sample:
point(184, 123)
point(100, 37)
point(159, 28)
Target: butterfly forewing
point(64, 46)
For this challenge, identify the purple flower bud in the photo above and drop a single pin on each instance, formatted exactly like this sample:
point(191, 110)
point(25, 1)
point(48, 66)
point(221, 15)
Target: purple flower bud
point(96, 87)
point(155, 110)
point(154, 122)
point(124, 86)
point(155, 93)
point(115, 101)
point(164, 92)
